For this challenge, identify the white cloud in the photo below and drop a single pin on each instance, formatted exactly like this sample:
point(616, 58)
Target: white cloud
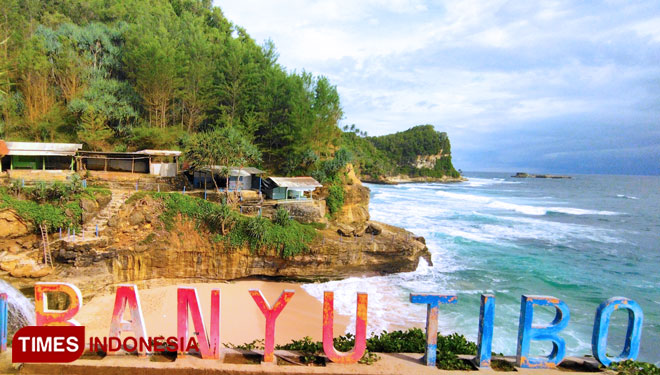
point(470, 66)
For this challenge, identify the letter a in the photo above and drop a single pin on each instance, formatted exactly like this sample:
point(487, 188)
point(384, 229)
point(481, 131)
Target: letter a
point(187, 301)
point(127, 295)
point(271, 315)
point(47, 317)
point(360, 330)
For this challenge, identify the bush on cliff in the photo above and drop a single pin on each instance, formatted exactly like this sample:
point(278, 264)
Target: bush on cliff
point(335, 199)
point(57, 204)
point(288, 238)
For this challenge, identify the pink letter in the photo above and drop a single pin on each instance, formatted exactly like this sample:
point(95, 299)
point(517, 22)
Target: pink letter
point(271, 315)
point(47, 317)
point(127, 295)
point(360, 330)
point(187, 301)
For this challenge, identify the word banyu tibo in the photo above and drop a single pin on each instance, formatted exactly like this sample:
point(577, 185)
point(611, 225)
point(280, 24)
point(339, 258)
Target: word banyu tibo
point(59, 338)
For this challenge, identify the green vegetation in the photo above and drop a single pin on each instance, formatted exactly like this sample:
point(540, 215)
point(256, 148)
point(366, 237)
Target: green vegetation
point(397, 153)
point(131, 74)
point(121, 75)
point(335, 198)
point(287, 237)
point(630, 367)
point(411, 341)
point(225, 146)
point(56, 204)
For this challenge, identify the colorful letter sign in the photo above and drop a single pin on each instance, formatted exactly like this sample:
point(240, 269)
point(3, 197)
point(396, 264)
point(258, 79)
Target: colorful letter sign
point(485, 339)
point(602, 325)
point(527, 332)
point(360, 330)
point(432, 301)
point(47, 317)
point(127, 295)
point(187, 300)
point(271, 315)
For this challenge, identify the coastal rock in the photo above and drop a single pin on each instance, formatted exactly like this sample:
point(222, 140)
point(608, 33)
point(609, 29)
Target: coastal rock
point(306, 212)
point(185, 253)
point(374, 228)
point(355, 210)
point(136, 217)
point(12, 225)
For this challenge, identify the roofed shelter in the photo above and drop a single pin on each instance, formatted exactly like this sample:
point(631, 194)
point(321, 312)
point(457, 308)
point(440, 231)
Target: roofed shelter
point(161, 163)
point(40, 156)
point(246, 178)
point(289, 187)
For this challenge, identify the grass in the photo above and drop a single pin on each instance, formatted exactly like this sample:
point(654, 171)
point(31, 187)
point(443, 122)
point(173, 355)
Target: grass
point(287, 237)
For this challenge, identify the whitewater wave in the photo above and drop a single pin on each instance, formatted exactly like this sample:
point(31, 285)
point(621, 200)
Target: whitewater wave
point(521, 208)
point(478, 182)
point(626, 196)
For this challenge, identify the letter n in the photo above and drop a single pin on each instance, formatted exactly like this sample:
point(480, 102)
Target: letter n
point(187, 300)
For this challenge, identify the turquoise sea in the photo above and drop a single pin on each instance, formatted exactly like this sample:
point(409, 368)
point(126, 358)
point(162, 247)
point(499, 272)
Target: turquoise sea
point(582, 240)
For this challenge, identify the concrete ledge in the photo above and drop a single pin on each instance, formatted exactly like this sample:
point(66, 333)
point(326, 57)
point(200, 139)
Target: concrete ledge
point(389, 363)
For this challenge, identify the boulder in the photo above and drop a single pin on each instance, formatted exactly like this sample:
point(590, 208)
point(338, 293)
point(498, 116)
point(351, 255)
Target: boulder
point(374, 228)
point(136, 218)
point(113, 221)
point(345, 230)
point(12, 225)
point(29, 268)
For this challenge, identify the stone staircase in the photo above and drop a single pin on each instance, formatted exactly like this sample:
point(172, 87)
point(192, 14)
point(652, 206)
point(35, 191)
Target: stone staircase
point(101, 219)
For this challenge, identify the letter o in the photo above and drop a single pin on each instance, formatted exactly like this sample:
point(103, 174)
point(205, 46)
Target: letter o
point(602, 325)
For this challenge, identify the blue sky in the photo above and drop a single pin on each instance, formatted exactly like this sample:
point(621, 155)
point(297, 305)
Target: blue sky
point(540, 86)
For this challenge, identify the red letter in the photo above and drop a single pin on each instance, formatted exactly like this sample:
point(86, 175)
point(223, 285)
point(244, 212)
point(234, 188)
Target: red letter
point(47, 317)
point(360, 330)
point(188, 301)
point(271, 315)
point(127, 295)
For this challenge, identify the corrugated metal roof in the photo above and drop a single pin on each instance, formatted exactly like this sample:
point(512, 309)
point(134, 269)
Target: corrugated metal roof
point(296, 182)
point(234, 170)
point(42, 149)
point(160, 152)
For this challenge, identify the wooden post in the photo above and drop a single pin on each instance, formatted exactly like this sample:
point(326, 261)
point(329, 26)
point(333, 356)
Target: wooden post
point(105, 168)
point(43, 163)
point(133, 164)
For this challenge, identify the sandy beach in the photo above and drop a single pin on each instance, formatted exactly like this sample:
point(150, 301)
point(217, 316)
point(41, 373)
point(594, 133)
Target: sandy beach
point(241, 320)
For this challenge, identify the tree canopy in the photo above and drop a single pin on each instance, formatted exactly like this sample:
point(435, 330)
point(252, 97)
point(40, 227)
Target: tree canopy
point(121, 75)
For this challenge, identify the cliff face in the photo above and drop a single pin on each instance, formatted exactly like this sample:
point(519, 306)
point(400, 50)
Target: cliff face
point(140, 249)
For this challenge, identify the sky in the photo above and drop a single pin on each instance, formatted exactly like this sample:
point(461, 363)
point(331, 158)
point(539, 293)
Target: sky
point(536, 86)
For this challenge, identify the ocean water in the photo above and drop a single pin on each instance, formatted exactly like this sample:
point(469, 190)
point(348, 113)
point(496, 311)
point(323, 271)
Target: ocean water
point(582, 240)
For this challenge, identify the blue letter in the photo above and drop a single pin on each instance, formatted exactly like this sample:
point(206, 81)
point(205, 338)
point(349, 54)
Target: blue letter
point(432, 300)
point(527, 332)
point(486, 318)
point(602, 325)
point(3, 322)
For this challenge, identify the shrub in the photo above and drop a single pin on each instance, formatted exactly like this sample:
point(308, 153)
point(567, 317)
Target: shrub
point(335, 199)
point(288, 237)
point(630, 367)
point(282, 217)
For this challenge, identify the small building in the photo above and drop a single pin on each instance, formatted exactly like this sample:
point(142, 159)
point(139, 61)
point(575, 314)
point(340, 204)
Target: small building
point(246, 178)
point(162, 163)
point(288, 187)
point(40, 156)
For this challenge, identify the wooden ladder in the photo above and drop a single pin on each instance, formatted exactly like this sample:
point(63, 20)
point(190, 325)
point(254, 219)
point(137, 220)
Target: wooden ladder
point(48, 258)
